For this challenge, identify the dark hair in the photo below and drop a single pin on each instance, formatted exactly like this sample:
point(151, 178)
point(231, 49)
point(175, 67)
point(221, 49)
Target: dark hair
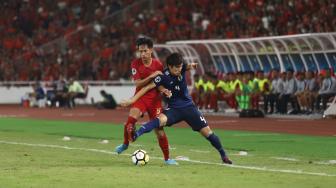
point(174, 59)
point(144, 41)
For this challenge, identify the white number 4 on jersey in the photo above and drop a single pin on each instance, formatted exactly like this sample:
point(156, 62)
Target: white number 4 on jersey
point(203, 119)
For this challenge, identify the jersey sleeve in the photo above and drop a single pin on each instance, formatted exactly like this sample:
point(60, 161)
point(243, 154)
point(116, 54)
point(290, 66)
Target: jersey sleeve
point(158, 80)
point(135, 71)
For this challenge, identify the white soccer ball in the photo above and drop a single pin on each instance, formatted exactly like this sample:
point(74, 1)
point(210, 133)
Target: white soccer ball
point(140, 157)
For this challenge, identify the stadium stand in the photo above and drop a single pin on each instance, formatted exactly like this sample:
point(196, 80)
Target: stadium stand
point(93, 40)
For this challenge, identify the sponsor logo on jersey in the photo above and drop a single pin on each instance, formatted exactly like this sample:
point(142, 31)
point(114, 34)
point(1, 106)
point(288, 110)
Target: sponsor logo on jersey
point(166, 72)
point(157, 79)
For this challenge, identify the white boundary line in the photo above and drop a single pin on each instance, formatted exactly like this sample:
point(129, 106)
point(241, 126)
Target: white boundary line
point(192, 161)
point(285, 158)
point(199, 151)
point(256, 134)
point(12, 115)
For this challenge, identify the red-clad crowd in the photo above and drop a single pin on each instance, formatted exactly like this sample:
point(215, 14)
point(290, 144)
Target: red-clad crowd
point(94, 40)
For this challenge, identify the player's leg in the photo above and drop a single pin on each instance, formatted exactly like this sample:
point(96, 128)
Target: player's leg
point(160, 134)
point(163, 141)
point(167, 118)
point(137, 110)
point(160, 121)
point(215, 142)
point(164, 145)
point(198, 123)
point(133, 117)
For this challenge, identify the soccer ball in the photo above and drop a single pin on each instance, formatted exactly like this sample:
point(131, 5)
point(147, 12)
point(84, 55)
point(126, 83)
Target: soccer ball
point(140, 157)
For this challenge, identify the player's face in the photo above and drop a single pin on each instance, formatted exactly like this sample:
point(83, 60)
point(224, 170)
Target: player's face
point(175, 70)
point(145, 52)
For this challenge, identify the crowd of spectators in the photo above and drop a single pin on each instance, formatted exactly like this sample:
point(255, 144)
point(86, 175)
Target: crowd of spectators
point(94, 40)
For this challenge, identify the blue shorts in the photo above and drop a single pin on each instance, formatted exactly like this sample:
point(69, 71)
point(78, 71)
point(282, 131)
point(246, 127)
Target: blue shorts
point(190, 114)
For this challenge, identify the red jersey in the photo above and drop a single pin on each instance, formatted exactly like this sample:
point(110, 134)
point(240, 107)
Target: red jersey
point(140, 71)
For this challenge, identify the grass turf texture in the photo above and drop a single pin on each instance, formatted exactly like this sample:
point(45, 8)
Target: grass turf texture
point(84, 162)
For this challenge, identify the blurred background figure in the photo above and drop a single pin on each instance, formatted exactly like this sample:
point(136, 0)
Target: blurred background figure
point(108, 101)
point(327, 90)
point(76, 90)
point(58, 95)
point(274, 92)
point(36, 98)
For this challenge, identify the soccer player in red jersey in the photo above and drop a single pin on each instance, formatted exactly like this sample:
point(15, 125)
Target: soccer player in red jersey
point(144, 69)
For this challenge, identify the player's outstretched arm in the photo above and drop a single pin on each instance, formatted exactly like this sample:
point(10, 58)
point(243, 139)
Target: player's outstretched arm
point(191, 66)
point(165, 91)
point(143, 82)
point(144, 90)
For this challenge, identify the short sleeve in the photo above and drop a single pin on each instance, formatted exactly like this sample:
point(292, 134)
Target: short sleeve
point(158, 80)
point(135, 72)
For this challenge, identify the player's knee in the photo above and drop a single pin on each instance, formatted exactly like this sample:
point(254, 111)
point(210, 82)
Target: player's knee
point(163, 120)
point(135, 113)
point(206, 131)
point(160, 132)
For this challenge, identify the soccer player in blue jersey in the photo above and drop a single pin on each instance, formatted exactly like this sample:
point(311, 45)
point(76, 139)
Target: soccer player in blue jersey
point(180, 105)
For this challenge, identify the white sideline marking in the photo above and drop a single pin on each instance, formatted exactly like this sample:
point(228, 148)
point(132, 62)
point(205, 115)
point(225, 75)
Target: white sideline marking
point(199, 151)
point(192, 161)
point(12, 115)
point(182, 158)
point(240, 155)
point(291, 120)
point(222, 121)
point(285, 158)
point(257, 134)
point(330, 162)
point(135, 145)
point(77, 114)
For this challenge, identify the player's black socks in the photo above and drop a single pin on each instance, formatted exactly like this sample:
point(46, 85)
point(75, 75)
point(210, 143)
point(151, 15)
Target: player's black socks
point(148, 127)
point(215, 142)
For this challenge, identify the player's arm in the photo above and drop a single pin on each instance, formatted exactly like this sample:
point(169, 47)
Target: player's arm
point(165, 91)
point(144, 90)
point(191, 66)
point(143, 82)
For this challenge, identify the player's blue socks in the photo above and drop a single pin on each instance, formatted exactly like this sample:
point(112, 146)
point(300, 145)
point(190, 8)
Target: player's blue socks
point(148, 127)
point(215, 142)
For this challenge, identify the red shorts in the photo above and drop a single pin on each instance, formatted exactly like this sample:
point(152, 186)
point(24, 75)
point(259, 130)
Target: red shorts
point(153, 107)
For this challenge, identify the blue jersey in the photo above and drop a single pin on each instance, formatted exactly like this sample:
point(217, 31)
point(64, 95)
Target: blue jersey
point(178, 86)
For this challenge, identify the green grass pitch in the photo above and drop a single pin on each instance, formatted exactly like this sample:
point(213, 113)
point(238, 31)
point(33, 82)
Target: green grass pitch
point(33, 154)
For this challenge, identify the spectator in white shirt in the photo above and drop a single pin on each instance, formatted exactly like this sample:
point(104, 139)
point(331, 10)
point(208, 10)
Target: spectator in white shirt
point(327, 91)
point(76, 90)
